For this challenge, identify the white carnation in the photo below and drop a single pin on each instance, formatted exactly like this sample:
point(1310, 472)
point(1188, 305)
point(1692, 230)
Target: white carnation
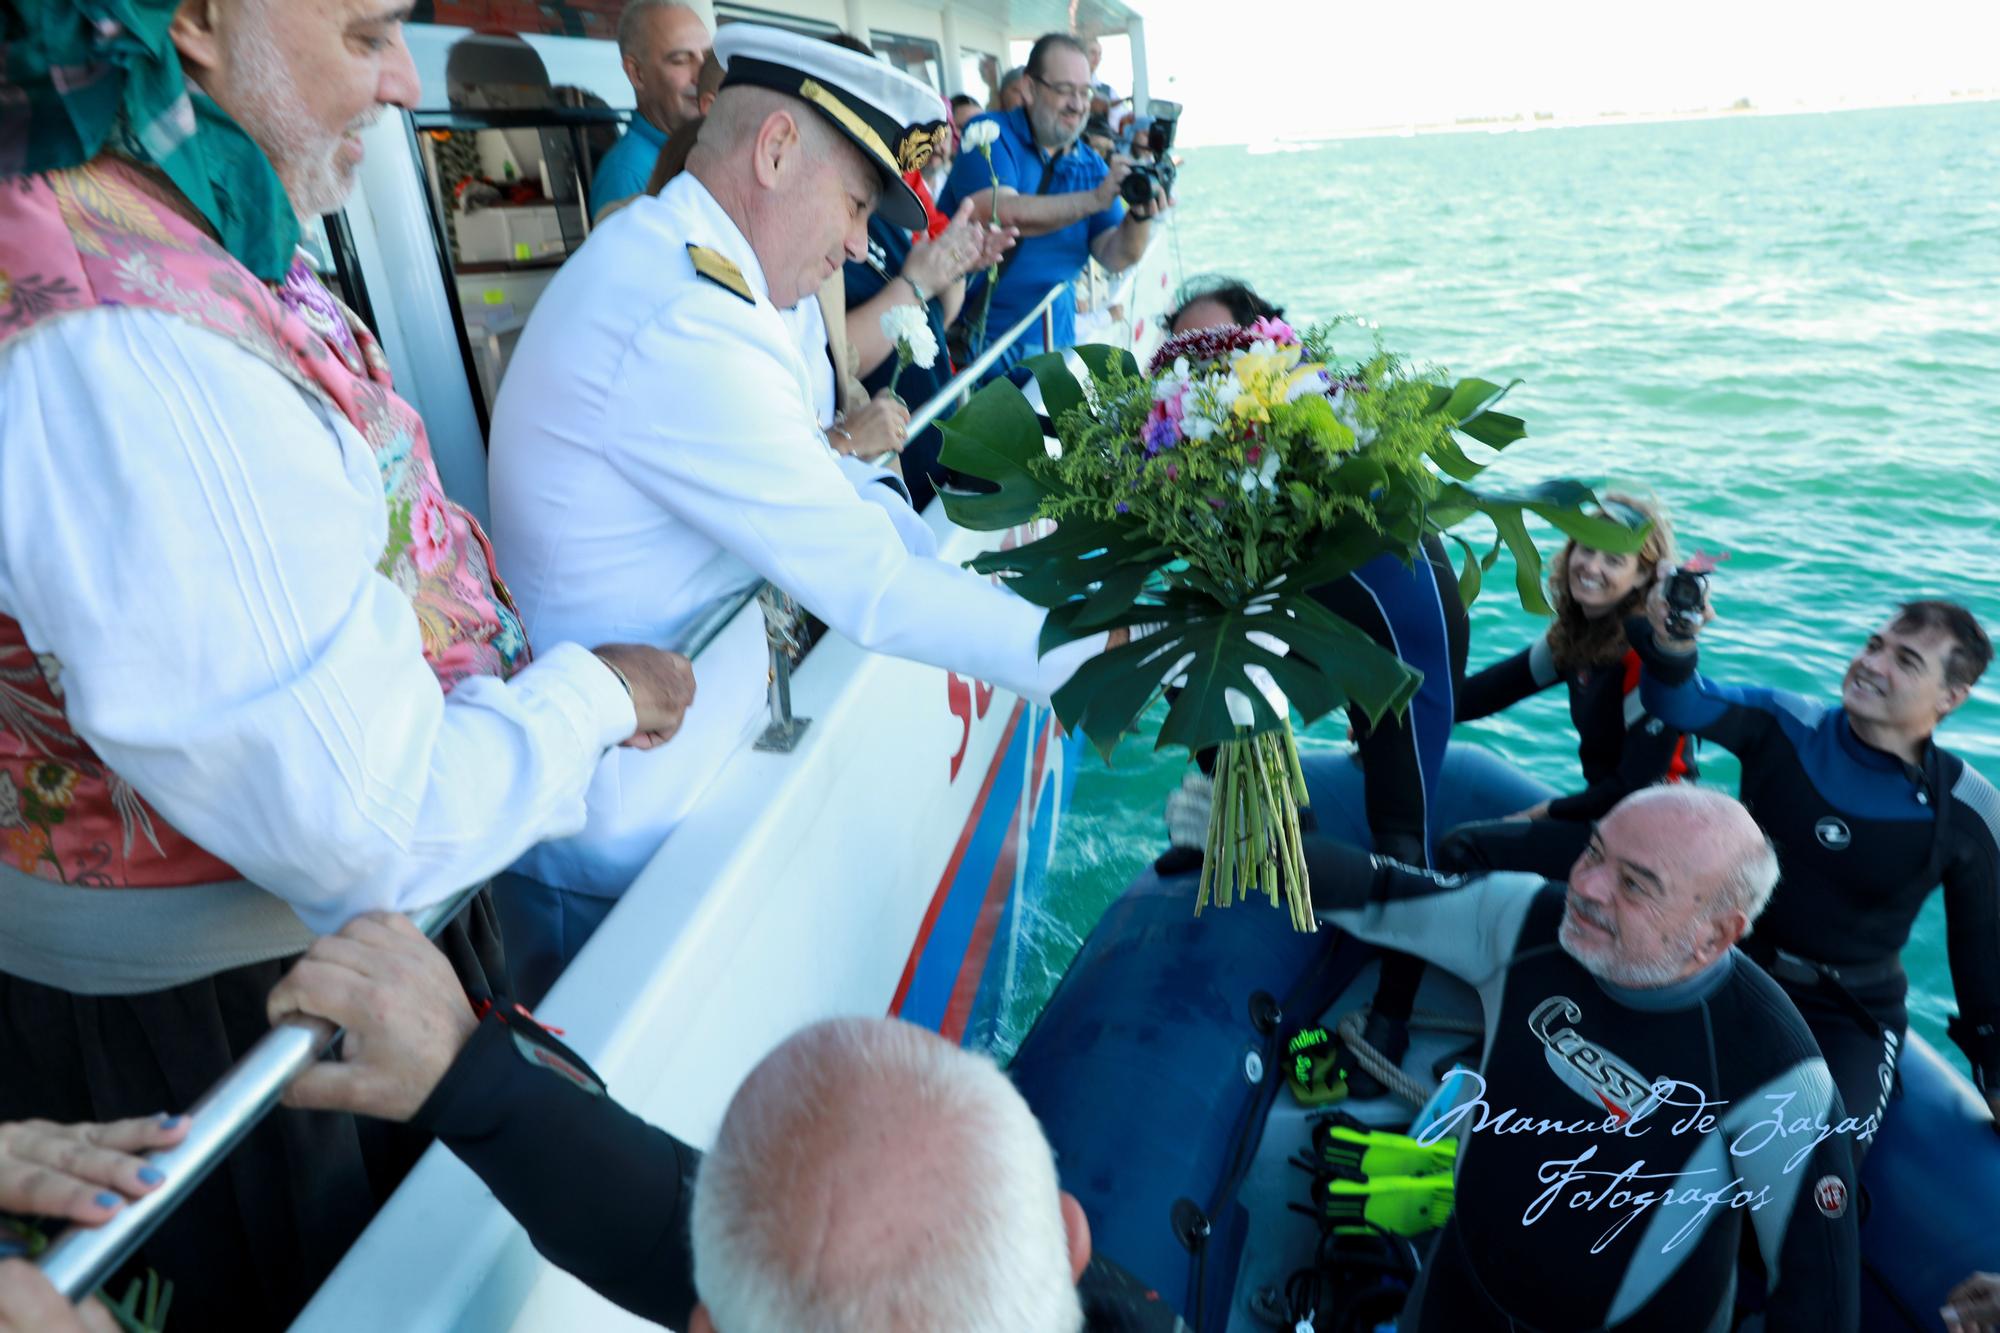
point(981, 134)
point(909, 327)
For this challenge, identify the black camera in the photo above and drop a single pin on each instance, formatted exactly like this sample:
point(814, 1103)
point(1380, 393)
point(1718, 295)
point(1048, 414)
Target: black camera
point(1685, 593)
point(1153, 181)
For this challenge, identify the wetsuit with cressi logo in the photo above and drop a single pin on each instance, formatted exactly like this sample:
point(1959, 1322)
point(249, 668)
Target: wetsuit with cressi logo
point(1863, 839)
point(1629, 1148)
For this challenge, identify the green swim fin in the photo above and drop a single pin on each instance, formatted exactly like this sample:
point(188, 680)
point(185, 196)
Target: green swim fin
point(1364, 1154)
point(1401, 1205)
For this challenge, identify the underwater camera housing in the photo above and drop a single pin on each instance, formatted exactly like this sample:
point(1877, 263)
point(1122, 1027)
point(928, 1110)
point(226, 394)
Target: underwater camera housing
point(1153, 181)
point(1686, 592)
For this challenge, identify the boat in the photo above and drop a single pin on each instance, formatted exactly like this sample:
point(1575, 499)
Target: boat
point(1191, 1020)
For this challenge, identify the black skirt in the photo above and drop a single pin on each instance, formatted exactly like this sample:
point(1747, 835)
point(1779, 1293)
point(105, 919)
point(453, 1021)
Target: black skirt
point(247, 1249)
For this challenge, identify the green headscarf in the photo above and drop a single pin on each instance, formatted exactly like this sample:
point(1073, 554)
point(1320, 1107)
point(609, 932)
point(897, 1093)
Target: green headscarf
point(77, 76)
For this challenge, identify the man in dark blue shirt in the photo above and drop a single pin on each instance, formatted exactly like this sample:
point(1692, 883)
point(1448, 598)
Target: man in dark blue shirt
point(1062, 196)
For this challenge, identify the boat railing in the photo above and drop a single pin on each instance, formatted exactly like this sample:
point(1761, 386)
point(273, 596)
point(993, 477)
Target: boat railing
point(81, 1259)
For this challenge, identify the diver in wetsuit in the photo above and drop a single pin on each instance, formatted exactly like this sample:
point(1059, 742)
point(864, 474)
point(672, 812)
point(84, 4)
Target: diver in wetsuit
point(1869, 815)
point(844, 1172)
point(1621, 1158)
point(1620, 746)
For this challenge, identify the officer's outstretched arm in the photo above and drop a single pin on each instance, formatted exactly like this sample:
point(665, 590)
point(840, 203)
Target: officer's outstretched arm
point(735, 453)
point(1466, 925)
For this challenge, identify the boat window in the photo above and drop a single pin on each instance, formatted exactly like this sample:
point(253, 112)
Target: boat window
point(913, 55)
point(978, 75)
point(573, 18)
point(507, 171)
point(729, 13)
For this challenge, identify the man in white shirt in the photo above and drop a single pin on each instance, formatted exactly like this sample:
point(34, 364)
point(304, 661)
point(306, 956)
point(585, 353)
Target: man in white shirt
point(656, 452)
point(256, 673)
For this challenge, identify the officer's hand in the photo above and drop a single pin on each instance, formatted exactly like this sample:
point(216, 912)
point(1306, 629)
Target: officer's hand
point(876, 428)
point(1656, 611)
point(1107, 189)
point(1974, 1305)
point(83, 1173)
point(662, 689)
point(29, 1303)
point(994, 243)
point(405, 1013)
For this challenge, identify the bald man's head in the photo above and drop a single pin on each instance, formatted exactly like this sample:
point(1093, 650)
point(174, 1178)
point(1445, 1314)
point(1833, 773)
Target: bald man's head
point(1673, 877)
point(662, 45)
point(872, 1176)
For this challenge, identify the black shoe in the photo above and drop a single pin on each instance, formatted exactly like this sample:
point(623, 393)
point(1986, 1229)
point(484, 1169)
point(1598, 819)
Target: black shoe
point(1390, 1037)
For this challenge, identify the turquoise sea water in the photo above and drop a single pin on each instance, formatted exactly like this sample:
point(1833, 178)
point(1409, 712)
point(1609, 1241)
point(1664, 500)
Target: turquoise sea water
point(1786, 327)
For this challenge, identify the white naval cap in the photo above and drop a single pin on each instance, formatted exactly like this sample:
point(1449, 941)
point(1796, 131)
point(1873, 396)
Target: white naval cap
point(896, 121)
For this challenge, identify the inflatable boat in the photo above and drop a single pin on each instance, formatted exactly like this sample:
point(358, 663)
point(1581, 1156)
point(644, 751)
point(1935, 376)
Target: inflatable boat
point(1158, 1071)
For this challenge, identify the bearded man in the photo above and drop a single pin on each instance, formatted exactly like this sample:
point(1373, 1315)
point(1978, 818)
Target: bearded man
point(256, 673)
point(1634, 1130)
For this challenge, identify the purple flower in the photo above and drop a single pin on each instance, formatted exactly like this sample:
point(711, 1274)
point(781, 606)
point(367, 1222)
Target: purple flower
point(1161, 433)
point(1219, 504)
point(1173, 473)
point(1124, 508)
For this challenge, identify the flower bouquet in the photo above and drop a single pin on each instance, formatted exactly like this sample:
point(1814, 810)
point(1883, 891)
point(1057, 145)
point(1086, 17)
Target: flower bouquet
point(1200, 502)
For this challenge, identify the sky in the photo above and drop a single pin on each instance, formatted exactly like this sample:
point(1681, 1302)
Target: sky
point(1295, 69)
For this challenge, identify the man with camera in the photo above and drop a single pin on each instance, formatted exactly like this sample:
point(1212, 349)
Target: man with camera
point(1869, 815)
point(1070, 205)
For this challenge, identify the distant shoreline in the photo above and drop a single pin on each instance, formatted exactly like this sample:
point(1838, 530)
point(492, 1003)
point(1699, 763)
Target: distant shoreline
point(1519, 124)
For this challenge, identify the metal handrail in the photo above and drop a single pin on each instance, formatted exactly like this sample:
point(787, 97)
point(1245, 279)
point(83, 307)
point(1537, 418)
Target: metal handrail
point(80, 1260)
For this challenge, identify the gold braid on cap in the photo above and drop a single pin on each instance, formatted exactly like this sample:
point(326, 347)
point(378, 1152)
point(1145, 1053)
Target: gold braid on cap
point(816, 93)
point(920, 144)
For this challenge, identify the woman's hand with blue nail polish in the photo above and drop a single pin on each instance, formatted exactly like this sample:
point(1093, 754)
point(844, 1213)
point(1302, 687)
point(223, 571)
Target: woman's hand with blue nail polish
point(86, 1172)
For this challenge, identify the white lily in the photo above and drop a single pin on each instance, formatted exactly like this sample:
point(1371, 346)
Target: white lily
point(1263, 478)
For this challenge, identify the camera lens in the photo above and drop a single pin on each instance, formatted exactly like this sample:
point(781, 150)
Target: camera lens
point(1137, 188)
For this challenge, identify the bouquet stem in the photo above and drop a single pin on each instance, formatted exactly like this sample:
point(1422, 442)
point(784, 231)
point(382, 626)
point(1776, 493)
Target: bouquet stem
point(1254, 844)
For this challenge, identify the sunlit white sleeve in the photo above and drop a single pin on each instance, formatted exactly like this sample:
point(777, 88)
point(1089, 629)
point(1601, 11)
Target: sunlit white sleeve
point(757, 483)
point(196, 542)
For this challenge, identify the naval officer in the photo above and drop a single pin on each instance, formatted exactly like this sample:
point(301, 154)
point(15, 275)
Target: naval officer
point(656, 451)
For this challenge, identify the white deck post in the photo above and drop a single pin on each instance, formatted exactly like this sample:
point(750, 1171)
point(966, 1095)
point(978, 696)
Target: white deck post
point(1135, 31)
point(704, 9)
point(857, 21)
point(954, 63)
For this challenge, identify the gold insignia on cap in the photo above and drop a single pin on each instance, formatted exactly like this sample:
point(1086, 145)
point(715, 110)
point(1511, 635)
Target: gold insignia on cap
point(920, 144)
point(816, 93)
point(715, 266)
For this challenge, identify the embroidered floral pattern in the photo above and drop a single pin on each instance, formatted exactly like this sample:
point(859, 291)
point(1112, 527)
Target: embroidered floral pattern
point(99, 235)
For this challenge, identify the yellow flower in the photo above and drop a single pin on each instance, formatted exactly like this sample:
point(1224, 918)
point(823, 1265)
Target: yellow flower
point(52, 784)
point(1267, 380)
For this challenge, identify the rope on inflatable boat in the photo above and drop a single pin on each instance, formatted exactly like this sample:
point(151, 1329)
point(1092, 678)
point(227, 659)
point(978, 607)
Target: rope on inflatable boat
point(1392, 1076)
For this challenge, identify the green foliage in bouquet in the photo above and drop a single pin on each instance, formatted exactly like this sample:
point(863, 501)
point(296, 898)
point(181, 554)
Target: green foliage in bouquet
point(1204, 499)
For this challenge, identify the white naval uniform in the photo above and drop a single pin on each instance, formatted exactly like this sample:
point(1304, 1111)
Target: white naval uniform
point(655, 452)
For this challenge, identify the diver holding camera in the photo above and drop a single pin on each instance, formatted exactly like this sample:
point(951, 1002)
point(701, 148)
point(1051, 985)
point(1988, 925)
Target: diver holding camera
point(1869, 815)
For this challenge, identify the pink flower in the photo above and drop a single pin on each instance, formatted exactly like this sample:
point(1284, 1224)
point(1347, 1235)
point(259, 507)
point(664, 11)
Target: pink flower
point(430, 532)
point(1276, 330)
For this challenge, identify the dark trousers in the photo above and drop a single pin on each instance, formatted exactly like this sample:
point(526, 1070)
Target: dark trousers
point(249, 1246)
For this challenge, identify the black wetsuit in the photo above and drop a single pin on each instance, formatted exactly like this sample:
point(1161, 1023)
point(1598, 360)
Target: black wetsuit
point(1621, 747)
point(1863, 838)
point(606, 1197)
point(1583, 1200)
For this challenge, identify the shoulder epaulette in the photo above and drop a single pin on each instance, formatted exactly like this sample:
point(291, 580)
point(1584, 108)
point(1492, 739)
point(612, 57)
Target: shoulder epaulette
point(717, 268)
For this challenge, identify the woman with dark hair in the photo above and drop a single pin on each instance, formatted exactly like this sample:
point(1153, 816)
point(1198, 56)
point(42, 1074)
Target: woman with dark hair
point(1214, 300)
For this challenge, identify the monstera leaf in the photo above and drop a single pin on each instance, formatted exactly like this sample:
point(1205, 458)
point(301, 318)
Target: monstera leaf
point(993, 437)
point(1319, 660)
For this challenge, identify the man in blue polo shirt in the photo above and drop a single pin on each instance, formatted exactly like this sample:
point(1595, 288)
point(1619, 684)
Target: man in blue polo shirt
point(662, 45)
point(1060, 194)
